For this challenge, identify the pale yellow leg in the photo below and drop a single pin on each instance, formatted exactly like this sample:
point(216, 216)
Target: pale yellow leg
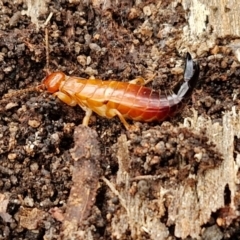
point(141, 80)
point(65, 98)
point(114, 112)
point(138, 80)
point(87, 116)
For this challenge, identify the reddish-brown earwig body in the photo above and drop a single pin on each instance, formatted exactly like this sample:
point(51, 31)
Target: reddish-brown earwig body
point(127, 100)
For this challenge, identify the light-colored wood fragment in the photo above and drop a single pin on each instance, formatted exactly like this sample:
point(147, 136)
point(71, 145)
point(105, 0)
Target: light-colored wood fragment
point(208, 196)
point(137, 215)
point(220, 17)
point(35, 8)
point(190, 206)
point(208, 21)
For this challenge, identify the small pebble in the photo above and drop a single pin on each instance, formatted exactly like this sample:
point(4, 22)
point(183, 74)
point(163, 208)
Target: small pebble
point(147, 11)
point(33, 123)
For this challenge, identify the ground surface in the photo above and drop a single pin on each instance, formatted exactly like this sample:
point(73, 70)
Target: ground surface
point(43, 165)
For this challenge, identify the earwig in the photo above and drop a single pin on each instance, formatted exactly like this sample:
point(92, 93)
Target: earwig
point(127, 100)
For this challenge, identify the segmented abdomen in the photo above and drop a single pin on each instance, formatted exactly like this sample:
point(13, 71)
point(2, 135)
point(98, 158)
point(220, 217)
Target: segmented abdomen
point(141, 103)
point(133, 101)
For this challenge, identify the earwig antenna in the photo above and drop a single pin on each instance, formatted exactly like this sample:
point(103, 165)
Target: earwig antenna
point(47, 50)
point(21, 92)
point(39, 87)
point(47, 43)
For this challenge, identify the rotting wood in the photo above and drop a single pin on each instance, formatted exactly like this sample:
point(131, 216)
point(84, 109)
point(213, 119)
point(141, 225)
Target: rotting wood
point(209, 21)
point(191, 205)
point(221, 18)
point(136, 215)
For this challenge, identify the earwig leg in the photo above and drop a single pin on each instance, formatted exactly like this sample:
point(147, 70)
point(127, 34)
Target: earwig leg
point(114, 112)
point(138, 80)
point(65, 98)
point(142, 81)
point(87, 116)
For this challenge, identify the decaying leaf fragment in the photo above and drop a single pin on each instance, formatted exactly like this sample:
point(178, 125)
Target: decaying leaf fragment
point(85, 178)
point(4, 200)
point(30, 218)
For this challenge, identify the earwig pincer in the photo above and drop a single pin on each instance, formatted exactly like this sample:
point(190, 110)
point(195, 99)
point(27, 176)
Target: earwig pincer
point(127, 100)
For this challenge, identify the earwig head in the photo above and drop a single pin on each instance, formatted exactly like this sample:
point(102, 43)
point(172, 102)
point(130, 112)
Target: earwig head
point(53, 81)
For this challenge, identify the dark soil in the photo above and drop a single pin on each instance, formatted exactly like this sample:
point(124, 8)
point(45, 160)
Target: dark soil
point(36, 130)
